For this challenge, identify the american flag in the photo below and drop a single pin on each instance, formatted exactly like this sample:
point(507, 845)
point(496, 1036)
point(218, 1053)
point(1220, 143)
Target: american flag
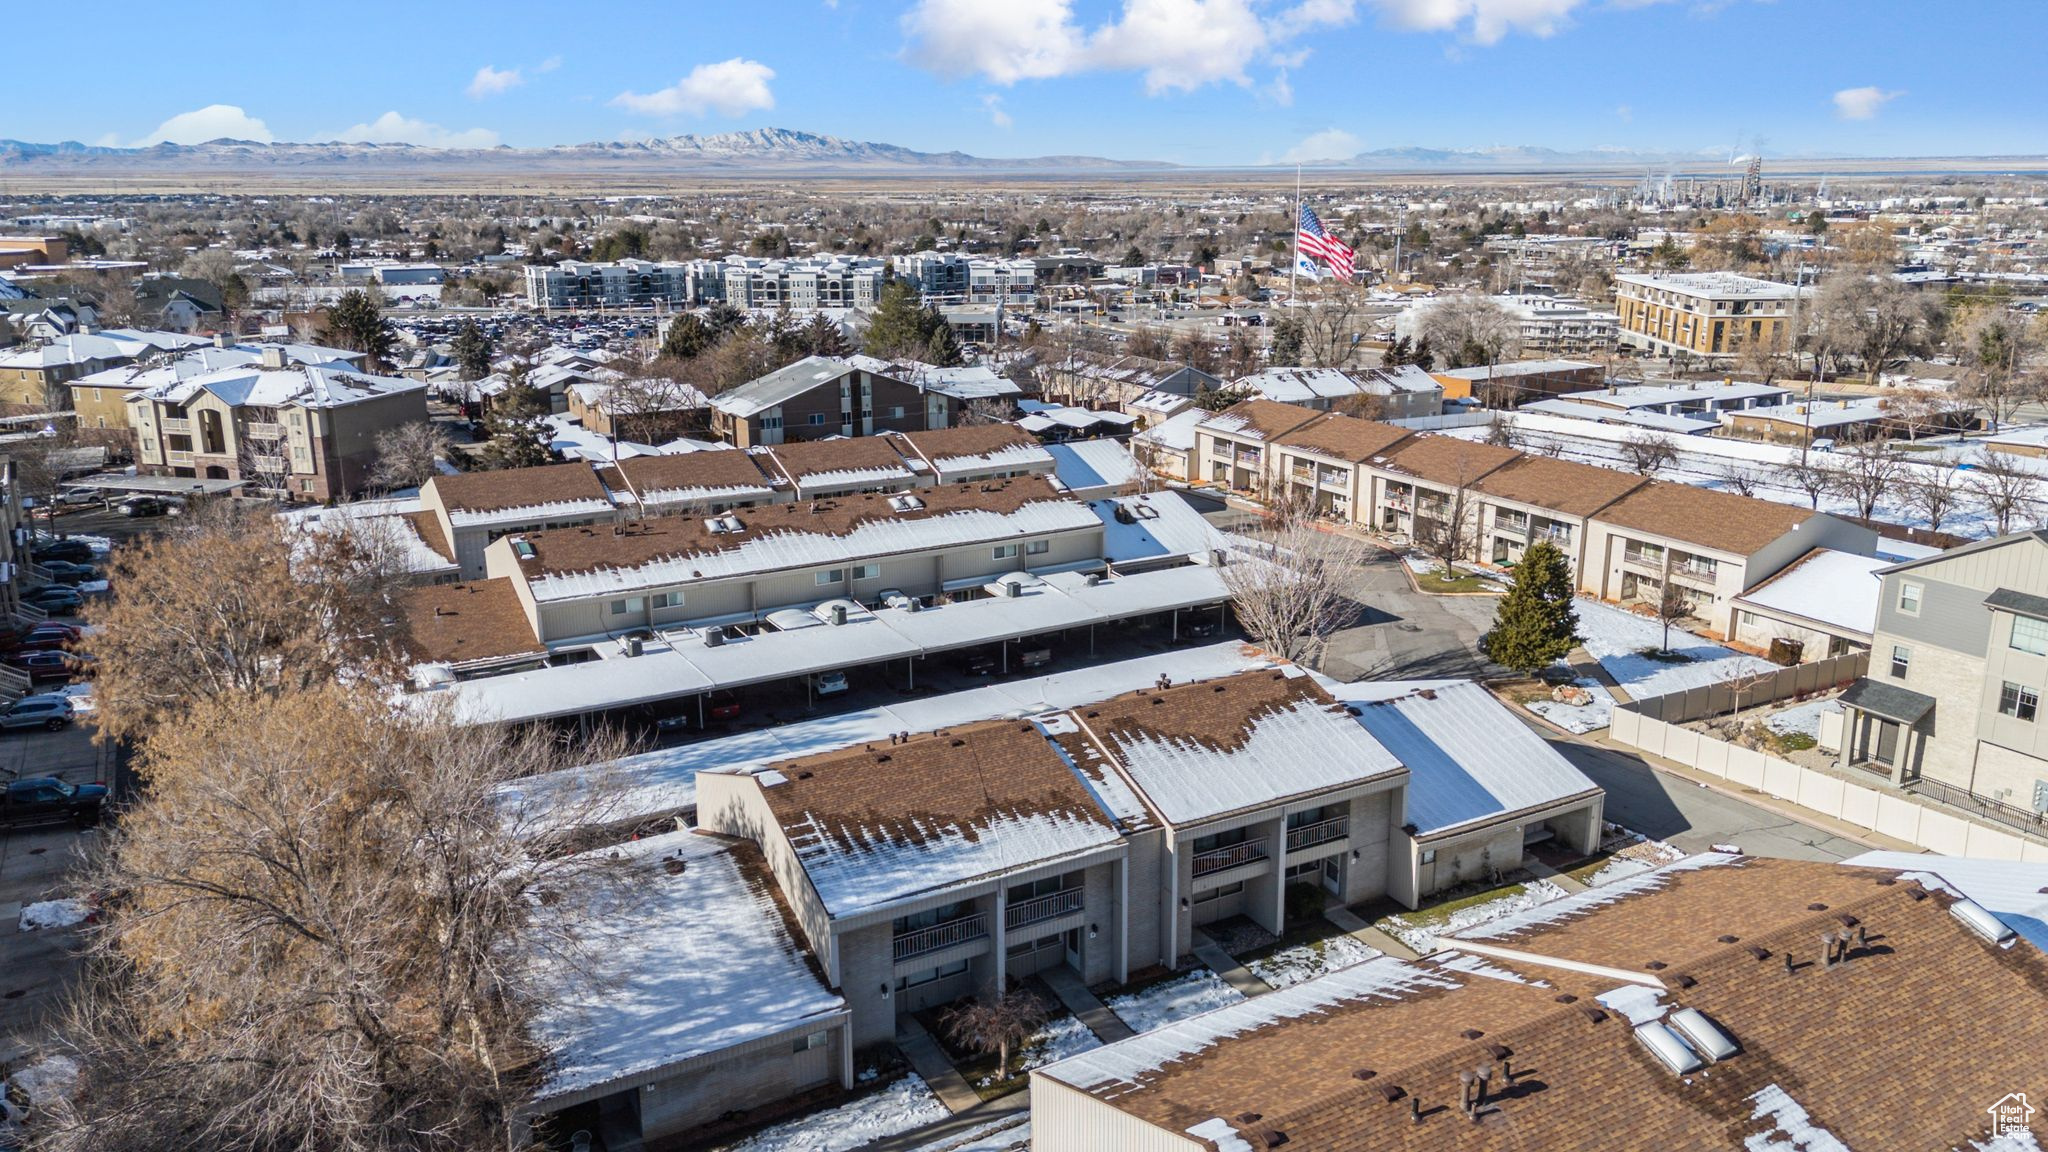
point(1314, 241)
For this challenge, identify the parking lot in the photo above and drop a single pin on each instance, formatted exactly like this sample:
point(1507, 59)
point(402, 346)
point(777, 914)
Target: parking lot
point(34, 864)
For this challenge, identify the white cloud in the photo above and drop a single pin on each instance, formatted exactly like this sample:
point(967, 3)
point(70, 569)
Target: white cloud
point(1862, 103)
point(1626, 113)
point(1178, 45)
point(213, 122)
point(730, 88)
point(1482, 21)
point(1329, 144)
point(549, 64)
point(489, 81)
point(996, 116)
point(391, 128)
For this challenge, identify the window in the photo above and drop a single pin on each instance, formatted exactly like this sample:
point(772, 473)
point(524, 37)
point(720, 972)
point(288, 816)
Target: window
point(1038, 547)
point(807, 1043)
point(1220, 891)
point(2018, 702)
point(896, 412)
point(1909, 599)
point(817, 417)
point(629, 604)
point(931, 916)
point(668, 599)
point(2030, 635)
point(830, 576)
point(866, 571)
point(1902, 659)
point(1004, 551)
point(1220, 840)
point(1033, 889)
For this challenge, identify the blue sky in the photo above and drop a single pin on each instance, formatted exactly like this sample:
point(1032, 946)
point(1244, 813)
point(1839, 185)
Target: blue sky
point(1189, 81)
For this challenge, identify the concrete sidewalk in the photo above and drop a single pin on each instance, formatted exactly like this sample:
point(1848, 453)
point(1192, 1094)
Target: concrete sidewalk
point(930, 1061)
point(1368, 935)
point(1086, 1007)
point(1226, 966)
point(1544, 871)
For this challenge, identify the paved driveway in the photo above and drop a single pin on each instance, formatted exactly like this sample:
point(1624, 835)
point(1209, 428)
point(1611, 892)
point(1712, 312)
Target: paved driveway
point(33, 866)
point(1408, 635)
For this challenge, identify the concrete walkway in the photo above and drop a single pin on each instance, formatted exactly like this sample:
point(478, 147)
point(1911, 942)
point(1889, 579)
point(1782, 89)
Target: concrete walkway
point(930, 1061)
point(1356, 927)
point(955, 1127)
point(1086, 1007)
point(1544, 871)
point(1226, 966)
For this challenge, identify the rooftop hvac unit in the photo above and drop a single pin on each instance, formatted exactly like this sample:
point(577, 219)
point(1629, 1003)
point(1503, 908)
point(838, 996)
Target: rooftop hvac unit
point(634, 646)
point(714, 638)
point(839, 614)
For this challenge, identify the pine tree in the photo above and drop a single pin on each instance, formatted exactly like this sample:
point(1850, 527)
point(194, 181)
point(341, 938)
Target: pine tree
point(356, 322)
point(472, 351)
point(1535, 625)
point(687, 337)
point(898, 327)
point(943, 349)
point(1285, 351)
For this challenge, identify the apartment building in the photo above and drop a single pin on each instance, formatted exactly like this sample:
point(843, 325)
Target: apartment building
point(802, 283)
point(101, 398)
point(36, 377)
point(1325, 463)
point(1547, 325)
point(1398, 393)
point(1231, 446)
point(834, 282)
point(1533, 499)
point(617, 284)
point(1702, 1006)
point(1713, 400)
point(1427, 480)
point(1704, 314)
point(1711, 546)
point(1094, 381)
point(823, 396)
point(1958, 665)
point(308, 431)
point(958, 277)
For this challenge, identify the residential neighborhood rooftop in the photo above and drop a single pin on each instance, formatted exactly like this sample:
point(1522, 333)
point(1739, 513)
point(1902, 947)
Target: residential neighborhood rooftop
point(1720, 520)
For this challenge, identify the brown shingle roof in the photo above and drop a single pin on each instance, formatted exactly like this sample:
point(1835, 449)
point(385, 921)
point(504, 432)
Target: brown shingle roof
point(1265, 419)
point(1342, 437)
point(1218, 713)
point(565, 550)
point(811, 457)
point(955, 779)
point(1702, 516)
point(1904, 1046)
point(1447, 460)
point(967, 440)
point(428, 526)
point(1559, 485)
point(693, 470)
point(480, 620)
point(517, 487)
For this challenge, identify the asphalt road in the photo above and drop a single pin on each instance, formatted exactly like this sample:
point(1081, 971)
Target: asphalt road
point(34, 865)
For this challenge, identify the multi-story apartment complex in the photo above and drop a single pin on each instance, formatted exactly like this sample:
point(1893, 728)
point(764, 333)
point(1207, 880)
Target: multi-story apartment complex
point(958, 277)
point(35, 377)
point(1704, 314)
point(807, 282)
point(1548, 325)
point(101, 398)
point(1958, 666)
point(825, 396)
point(305, 430)
point(1397, 393)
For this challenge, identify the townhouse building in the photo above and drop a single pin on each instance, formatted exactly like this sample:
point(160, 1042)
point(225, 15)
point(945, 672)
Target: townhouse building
point(1958, 665)
point(1398, 393)
point(1824, 604)
point(1426, 480)
point(824, 396)
point(1704, 314)
point(1325, 462)
point(1091, 380)
point(1539, 498)
point(1232, 446)
point(307, 431)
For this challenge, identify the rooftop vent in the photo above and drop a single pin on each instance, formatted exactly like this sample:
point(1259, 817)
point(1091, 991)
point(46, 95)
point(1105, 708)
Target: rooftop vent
point(273, 356)
point(1705, 1037)
point(1665, 1045)
point(1981, 922)
point(906, 503)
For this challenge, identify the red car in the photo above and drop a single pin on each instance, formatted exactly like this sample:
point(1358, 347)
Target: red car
point(48, 667)
point(48, 636)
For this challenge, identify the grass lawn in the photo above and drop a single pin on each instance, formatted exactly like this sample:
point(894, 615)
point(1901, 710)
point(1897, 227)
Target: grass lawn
point(1437, 915)
point(1585, 872)
point(1461, 582)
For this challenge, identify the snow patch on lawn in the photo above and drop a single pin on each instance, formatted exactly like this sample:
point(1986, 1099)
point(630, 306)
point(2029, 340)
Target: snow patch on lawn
point(906, 1104)
point(1191, 995)
point(53, 914)
point(1059, 1039)
point(1617, 640)
point(1422, 937)
point(1801, 719)
point(1579, 718)
point(994, 1136)
point(1299, 962)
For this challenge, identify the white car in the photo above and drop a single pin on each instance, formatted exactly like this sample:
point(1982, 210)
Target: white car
point(827, 683)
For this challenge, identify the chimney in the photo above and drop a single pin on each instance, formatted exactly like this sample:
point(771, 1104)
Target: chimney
point(273, 356)
point(223, 340)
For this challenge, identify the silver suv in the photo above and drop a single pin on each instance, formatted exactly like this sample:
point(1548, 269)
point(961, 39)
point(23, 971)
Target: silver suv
point(50, 712)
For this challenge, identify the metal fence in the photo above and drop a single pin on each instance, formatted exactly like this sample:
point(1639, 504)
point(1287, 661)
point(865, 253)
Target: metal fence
point(1749, 691)
point(2019, 819)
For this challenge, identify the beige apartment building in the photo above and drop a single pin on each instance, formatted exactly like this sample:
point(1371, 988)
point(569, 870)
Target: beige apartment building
point(1703, 314)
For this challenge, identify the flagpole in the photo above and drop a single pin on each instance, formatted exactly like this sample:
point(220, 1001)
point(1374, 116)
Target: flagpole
point(1294, 266)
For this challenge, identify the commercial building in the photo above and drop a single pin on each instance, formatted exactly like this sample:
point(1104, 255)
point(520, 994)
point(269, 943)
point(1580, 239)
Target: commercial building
point(1704, 314)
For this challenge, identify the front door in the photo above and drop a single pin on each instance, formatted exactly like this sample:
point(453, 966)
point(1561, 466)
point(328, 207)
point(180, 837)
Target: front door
point(1885, 748)
point(1333, 875)
point(1073, 941)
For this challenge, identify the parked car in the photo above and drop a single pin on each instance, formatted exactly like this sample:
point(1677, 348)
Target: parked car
point(721, 705)
point(49, 667)
point(46, 636)
point(1033, 653)
point(979, 662)
point(137, 506)
point(67, 572)
point(57, 600)
point(79, 497)
point(70, 551)
point(45, 799)
point(47, 712)
point(827, 683)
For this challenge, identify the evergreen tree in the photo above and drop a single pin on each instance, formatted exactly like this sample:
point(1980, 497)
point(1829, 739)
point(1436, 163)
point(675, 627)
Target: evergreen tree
point(356, 322)
point(1285, 351)
point(823, 338)
point(1535, 625)
point(687, 337)
point(472, 351)
point(898, 327)
point(943, 348)
point(1423, 356)
point(1397, 353)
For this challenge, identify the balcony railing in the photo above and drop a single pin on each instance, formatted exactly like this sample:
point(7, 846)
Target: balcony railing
point(1651, 560)
point(1320, 832)
point(1396, 501)
point(1335, 479)
point(1699, 573)
point(1042, 908)
point(179, 458)
point(1555, 533)
point(1514, 525)
point(1219, 859)
point(263, 431)
point(1250, 456)
point(177, 424)
point(941, 936)
point(269, 464)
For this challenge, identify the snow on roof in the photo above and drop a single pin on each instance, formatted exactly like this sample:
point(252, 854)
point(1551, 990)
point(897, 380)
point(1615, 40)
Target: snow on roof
point(1592, 898)
point(1162, 402)
point(1081, 465)
point(1012, 456)
point(468, 518)
point(782, 385)
point(676, 964)
point(1834, 588)
point(1573, 409)
point(973, 382)
point(1468, 757)
point(1819, 413)
point(2015, 891)
point(1649, 395)
point(299, 385)
point(1724, 284)
point(1176, 433)
point(1162, 524)
point(1250, 745)
point(380, 522)
point(1129, 1064)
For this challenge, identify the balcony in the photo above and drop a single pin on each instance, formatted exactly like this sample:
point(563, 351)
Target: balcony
point(1706, 574)
point(940, 937)
point(1320, 832)
point(260, 431)
point(1558, 534)
point(1302, 475)
point(1650, 561)
point(1511, 526)
point(269, 465)
point(178, 459)
point(176, 424)
point(1335, 479)
point(1249, 457)
point(1042, 908)
point(1397, 501)
point(1221, 859)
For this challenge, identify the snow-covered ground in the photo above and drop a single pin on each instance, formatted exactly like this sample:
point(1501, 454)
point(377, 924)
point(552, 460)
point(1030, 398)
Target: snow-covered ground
point(995, 1136)
point(1422, 565)
point(1191, 995)
point(1801, 719)
point(1637, 857)
point(53, 914)
point(1422, 937)
point(1579, 718)
point(906, 1104)
point(1617, 639)
point(1300, 962)
point(1059, 1039)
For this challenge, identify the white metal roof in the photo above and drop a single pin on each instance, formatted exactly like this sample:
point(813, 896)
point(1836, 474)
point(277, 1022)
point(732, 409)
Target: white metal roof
point(1838, 589)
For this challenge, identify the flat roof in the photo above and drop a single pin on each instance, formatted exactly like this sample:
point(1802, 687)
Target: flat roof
point(1837, 589)
point(156, 485)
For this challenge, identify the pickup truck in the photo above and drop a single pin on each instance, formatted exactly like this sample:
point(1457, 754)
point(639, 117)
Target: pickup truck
point(46, 800)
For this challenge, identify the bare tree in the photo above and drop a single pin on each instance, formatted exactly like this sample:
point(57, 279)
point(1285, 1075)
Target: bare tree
point(995, 1026)
point(1996, 348)
point(1934, 494)
point(1445, 527)
point(1865, 474)
point(1875, 317)
point(1647, 453)
point(1472, 331)
point(1500, 431)
point(1809, 476)
point(2008, 493)
point(988, 410)
point(1672, 606)
point(1738, 478)
point(1290, 585)
point(653, 409)
point(409, 455)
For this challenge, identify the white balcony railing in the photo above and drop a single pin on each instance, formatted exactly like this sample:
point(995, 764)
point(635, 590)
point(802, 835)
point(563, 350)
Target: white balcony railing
point(1219, 859)
point(179, 458)
point(1039, 909)
point(939, 937)
point(1320, 832)
point(267, 464)
point(264, 431)
point(177, 424)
